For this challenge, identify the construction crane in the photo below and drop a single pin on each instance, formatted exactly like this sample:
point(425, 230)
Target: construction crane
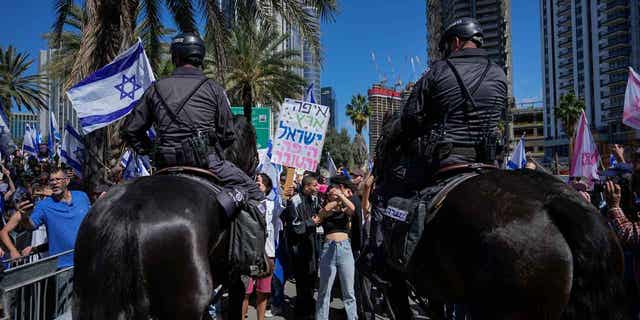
point(397, 84)
point(382, 78)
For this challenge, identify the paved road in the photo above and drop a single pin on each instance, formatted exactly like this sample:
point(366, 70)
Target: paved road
point(337, 307)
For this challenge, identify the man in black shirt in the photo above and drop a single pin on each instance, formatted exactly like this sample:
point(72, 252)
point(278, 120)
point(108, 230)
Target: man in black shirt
point(302, 241)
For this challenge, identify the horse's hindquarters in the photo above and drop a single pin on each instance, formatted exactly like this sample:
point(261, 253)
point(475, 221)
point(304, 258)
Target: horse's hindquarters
point(500, 253)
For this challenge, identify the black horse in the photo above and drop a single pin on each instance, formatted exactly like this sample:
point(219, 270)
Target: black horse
point(511, 245)
point(156, 247)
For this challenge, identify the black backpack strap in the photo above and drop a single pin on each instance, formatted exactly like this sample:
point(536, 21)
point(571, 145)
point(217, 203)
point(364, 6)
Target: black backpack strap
point(466, 92)
point(175, 116)
point(463, 87)
point(482, 77)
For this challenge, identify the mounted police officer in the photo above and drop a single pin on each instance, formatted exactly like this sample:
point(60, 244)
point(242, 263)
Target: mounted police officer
point(459, 102)
point(194, 125)
point(452, 118)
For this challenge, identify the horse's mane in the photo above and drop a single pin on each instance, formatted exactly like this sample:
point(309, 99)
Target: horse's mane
point(243, 152)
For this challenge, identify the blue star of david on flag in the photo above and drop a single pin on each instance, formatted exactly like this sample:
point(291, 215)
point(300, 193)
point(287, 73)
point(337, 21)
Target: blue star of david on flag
point(112, 91)
point(122, 89)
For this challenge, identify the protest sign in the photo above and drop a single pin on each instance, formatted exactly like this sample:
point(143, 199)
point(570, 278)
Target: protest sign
point(300, 134)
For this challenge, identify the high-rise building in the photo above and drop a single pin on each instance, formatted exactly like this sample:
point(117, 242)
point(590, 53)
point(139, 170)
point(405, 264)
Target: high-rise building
point(587, 48)
point(382, 101)
point(493, 15)
point(328, 98)
point(311, 70)
point(18, 122)
point(57, 102)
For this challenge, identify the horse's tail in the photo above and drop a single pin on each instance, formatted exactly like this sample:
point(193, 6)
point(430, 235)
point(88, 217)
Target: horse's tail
point(108, 280)
point(597, 290)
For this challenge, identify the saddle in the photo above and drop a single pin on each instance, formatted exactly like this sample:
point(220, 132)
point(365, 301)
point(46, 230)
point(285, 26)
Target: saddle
point(247, 231)
point(405, 219)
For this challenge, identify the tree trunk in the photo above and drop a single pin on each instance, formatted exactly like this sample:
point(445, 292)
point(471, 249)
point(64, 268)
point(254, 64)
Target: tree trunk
point(108, 28)
point(247, 101)
point(97, 154)
point(570, 153)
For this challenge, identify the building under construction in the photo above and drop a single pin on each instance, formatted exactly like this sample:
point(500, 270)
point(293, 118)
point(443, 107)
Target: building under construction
point(382, 101)
point(527, 122)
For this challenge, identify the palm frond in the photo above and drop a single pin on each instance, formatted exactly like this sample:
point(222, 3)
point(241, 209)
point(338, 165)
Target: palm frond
point(216, 35)
point(183, 14)
point(151, 29)
point(27, 92)
point(63, 9)
point(257, 62)
point(327, 9)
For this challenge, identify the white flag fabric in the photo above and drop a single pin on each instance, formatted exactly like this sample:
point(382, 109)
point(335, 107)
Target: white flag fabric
point(584, 161)
point(72, 149)
point(53, 127)
point(54, 136)
point(29, 144)
point(113, 91)
point(519, 158)
point(331, 166)
point(134, 165)
point(631, 114)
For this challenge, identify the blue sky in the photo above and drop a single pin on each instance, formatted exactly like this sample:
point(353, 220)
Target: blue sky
point(394, 31)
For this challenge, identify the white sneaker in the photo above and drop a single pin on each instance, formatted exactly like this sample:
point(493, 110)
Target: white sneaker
point(268, 313)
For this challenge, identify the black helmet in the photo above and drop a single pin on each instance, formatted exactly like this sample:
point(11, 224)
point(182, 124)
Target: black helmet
point(463, 28)
point(189, 47)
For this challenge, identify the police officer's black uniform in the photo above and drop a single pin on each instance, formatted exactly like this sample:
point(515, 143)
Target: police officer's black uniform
point(457, 114)
point(439, 105)
point(181, 107)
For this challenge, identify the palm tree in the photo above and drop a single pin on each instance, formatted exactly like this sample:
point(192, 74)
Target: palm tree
point(109, 27)
point(17, 88)
point(67, 45)
point(359, 111)
point(301, 14)
point(569, 111)
point(259, 70)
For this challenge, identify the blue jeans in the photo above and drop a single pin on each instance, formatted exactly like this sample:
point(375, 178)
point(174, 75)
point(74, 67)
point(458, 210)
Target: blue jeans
point(336, 257)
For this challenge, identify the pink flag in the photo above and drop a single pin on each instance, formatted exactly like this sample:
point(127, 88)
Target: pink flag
point(631, 115)
point(584, 162)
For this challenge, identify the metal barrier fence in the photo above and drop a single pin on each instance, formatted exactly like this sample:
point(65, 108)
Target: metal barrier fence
point(35, 290)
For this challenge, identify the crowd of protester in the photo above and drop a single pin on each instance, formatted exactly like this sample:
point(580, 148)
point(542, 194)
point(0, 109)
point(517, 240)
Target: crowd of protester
point(316, 226)
point(317, 230)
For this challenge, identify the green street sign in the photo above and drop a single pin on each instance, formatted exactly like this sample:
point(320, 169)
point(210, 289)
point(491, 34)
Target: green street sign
point(261, 120)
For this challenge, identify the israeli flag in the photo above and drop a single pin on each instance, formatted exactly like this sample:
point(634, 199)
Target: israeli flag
point(54, 136)
point(518, 159)
point(73, 150)
point(134, 165)
point(612, 161)
point(111, 92)
point(29, 144)
point(36, 137)
point(309, 94)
